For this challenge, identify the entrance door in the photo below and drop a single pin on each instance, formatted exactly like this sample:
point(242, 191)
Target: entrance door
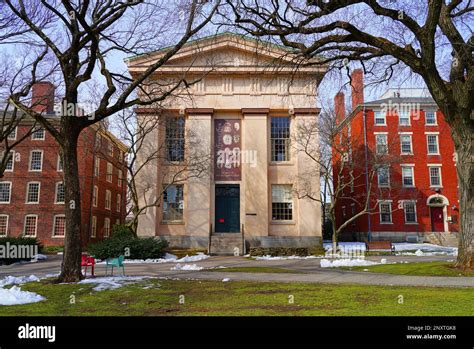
point(227, 208)
point(437, 219)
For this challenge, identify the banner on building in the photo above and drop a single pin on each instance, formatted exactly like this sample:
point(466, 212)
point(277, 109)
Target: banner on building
point(227, 150)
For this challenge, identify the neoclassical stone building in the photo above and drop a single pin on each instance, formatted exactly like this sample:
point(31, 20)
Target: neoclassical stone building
point(240, 117)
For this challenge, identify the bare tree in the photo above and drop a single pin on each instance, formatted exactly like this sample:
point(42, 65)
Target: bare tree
point(83, 39)
point(433, 39)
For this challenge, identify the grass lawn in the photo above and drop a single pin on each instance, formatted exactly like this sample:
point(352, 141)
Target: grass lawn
point(243, 298)
point(255, 270)
point(419, 269)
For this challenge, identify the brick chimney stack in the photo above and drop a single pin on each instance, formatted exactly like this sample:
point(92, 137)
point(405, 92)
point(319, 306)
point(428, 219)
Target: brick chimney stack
point(357, 83)
point(42, 100)
point(339, 107)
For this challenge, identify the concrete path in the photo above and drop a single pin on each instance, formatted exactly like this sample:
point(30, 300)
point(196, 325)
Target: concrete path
point(308, 271)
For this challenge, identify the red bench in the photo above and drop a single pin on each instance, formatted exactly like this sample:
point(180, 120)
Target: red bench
point(380, 246)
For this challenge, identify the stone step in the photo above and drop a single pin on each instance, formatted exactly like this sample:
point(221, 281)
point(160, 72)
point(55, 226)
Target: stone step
point(225, 244)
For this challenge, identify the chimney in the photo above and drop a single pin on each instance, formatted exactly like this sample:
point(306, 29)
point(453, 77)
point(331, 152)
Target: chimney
point(357, 83)
point(42, 100)
point(339, 107)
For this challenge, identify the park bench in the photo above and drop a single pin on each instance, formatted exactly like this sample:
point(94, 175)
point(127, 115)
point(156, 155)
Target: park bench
point(380, 246)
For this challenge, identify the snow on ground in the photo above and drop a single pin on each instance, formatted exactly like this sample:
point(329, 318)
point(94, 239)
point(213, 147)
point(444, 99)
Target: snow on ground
point(14, 295)
point(226, 280)
point(423, 249)
point(326, 263)
point(346, 245)
point(168, 258)
point(113, 282)
point(186, 267)
point(40, 257)
point(279, 258)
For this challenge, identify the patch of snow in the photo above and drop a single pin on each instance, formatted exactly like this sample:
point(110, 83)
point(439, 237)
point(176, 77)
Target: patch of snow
point(186, 267)
point(346, 245)
point(226, 280)
point(279, 258)
point(168, 258)
point(14, 295)
point(113, 282)
point(17, 280)
point(383, 261)
point(424, 249)
point(40, 257)
point(326, 263)
point(196, 258)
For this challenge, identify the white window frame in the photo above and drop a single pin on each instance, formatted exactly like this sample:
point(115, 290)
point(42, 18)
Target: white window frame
point(108, 203)
point(412, 167)
point(54, 226)
point(6, 224)
point(406, 134)
point(59, 167)
point(378, 114)
point(106, 227)
point(119, 178)
point(405, 211)
point(14, 132)
point(94, 227)
point(385, 202)
point(388, 177)
point(95, 196)
point(10, 192)
point(110, 148)
point(439, 167)
point(31, 158)
point(97, 167)
point(36, 225)
point(435, 118)
point(12, 160)
point(384, 135)
point(28, 193)
point(34, 133)
point(408, 113)
point(118, 205)
point(351, 181)
point(56, 191)
point(430, 134)
point(109, 172)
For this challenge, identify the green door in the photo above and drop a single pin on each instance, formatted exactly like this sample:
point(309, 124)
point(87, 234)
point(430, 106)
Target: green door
point(227, 208)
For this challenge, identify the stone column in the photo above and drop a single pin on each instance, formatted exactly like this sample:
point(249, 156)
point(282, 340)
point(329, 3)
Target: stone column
point(309, 212)
point(255, 176)
point(198, 201)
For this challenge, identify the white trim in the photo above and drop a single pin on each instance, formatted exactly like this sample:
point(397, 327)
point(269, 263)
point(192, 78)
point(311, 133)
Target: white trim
point(409, 112)
point(445, 199)
point(388, 177)
point(380, 117)
point(435, 115)
point(15, 131)
point(434, 165)
point(56, 194)
point(412, 175)
point(34, 132)
point(12, 159)
point(405, 213)
point(380, 133)
point(106, 219)
point(54, 226)
point(440, 185)
point(95, 194)
point(431, 132)
point(29, 162)
point(97, 167)
point(108, 194)
point(408, 165)
point(24, 225)
point(411, 144)
point(58, 169)
point(118, 204)
point(10, 193)
point(428, 143)
point(109, 175)
point(389, 202)
point(28, 192)
point(405, 133)
point(94, 227)
point(6, 227)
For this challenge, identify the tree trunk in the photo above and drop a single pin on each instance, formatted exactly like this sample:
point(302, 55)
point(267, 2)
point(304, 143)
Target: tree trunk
point(71, 267)
point(464, 142)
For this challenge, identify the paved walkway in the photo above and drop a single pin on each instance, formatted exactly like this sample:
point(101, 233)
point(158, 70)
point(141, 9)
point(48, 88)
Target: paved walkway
point(309, 271)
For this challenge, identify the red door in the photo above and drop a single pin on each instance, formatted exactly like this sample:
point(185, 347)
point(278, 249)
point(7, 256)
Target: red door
point(437, 221)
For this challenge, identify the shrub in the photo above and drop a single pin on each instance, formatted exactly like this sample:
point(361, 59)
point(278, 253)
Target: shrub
point(122, 241)
point(8, 242)
point(280, 251)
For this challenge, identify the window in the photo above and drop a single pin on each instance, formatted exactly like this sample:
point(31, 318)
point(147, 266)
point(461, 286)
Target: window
point(36, 160)
point(435, 176)
point(351, 181)
point(12, 135)
point(97, 167)
point(3, 224)
point(432, 141)
point(110, 169)
point(406, 144)
point(430, 118)
point(385, 212)
point(404, 118)
point(407, 176)
point(119, 203)
point(60, 196)
point(380, 118)
point(383, 176)
point(33, 193)
point(282, 203)
point(110, 146)
point(31, 221)
point(59, 166)
point(5, 192)
point(108, 199)
point(409, 208)
point(280, 139)
point(119, 178)
point(175, 138)
point(381, 144)
point(344, 213)
point(10, 163)
point(59, 227)
point(173, 203)
point(94, 227)
point(95, 196)
point(38, 134)
point(106, 227)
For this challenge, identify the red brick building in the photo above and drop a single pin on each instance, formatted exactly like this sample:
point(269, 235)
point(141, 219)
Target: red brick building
point(31, 192)
point(415, 193)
